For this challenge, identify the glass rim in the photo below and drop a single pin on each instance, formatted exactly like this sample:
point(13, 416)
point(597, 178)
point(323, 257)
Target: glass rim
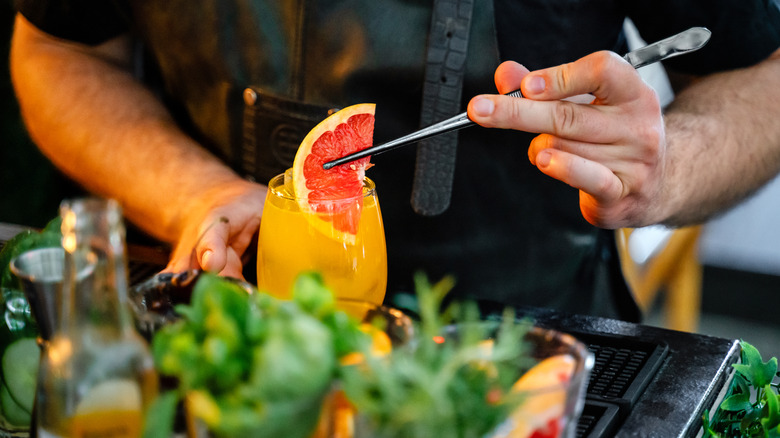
point(278, 181)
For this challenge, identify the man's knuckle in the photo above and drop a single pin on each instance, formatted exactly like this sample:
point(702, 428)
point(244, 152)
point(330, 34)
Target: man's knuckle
point(605, 185)
point(563, 79)
point(652, 137)
point(515, 111)
point(564, 118)
point(605, 67)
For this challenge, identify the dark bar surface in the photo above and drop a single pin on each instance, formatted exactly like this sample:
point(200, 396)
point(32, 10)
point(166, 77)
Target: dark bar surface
point(690, 375)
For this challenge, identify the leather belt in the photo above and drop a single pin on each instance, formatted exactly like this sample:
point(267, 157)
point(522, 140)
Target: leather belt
point(448, 42)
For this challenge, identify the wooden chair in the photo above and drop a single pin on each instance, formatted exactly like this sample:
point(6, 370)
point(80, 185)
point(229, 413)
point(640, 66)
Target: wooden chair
point(672, 269)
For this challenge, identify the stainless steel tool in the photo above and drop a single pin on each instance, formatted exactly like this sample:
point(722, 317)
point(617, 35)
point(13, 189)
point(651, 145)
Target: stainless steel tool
point(684, 42)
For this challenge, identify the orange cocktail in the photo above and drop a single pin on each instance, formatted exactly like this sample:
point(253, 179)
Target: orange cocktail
point(342, 239)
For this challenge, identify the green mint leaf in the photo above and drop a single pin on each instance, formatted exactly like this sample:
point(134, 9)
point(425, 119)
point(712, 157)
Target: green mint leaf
point(745, 370)
point(736, 402)
point(750, 354)
point(755, 370)
point(765, 373)
point(770, 369)
point(772, 418)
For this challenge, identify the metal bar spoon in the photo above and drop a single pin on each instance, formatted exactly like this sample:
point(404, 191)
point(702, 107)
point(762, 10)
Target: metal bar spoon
point(684, 42)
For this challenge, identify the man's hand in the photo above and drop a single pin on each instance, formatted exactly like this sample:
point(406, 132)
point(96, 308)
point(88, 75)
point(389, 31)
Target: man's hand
point(219, 230)
point(606, 139)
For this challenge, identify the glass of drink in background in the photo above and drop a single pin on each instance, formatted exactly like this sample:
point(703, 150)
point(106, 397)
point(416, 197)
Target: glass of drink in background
point(342, 239)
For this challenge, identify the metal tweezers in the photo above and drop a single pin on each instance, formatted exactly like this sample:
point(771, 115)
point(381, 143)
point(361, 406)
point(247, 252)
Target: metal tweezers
point(684, 42)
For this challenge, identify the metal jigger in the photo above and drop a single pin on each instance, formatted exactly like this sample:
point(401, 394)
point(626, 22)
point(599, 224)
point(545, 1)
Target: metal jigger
point(40, 272)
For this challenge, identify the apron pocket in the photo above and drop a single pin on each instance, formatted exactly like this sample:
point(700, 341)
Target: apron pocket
point(273, 128)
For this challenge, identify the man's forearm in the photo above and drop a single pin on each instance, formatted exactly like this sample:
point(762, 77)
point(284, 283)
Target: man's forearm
point(723, 142)
point(89, 115)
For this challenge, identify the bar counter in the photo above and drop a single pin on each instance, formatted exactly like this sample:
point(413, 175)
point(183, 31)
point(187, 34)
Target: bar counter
point(684, 375)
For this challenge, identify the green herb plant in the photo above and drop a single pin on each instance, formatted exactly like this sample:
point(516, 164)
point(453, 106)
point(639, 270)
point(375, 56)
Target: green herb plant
point(250, 364)
point(449, 381)
point(751, 407)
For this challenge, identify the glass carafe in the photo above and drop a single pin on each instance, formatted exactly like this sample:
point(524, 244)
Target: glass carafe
point(96, 376)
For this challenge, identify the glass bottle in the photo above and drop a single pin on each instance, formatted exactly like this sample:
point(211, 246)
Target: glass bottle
point(97, 374)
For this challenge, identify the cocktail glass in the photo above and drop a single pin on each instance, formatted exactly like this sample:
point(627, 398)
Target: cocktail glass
point(343, 240)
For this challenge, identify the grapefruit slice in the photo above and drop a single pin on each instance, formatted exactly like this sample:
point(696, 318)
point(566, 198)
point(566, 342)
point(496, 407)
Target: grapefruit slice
point(546, 383)
point(335, 195)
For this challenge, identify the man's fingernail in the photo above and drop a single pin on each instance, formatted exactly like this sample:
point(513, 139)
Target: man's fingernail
point(543, 159)
point(535, 84)
point(483, 107)
point(204, 260)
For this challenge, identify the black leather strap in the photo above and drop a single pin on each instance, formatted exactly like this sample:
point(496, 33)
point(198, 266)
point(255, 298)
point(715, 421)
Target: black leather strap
point(445, 64)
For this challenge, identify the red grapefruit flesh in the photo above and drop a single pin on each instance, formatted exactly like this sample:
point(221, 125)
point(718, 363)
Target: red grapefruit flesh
point(336, 194)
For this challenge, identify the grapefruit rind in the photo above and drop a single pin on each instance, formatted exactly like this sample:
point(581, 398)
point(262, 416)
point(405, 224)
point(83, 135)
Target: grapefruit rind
point(317, 189)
